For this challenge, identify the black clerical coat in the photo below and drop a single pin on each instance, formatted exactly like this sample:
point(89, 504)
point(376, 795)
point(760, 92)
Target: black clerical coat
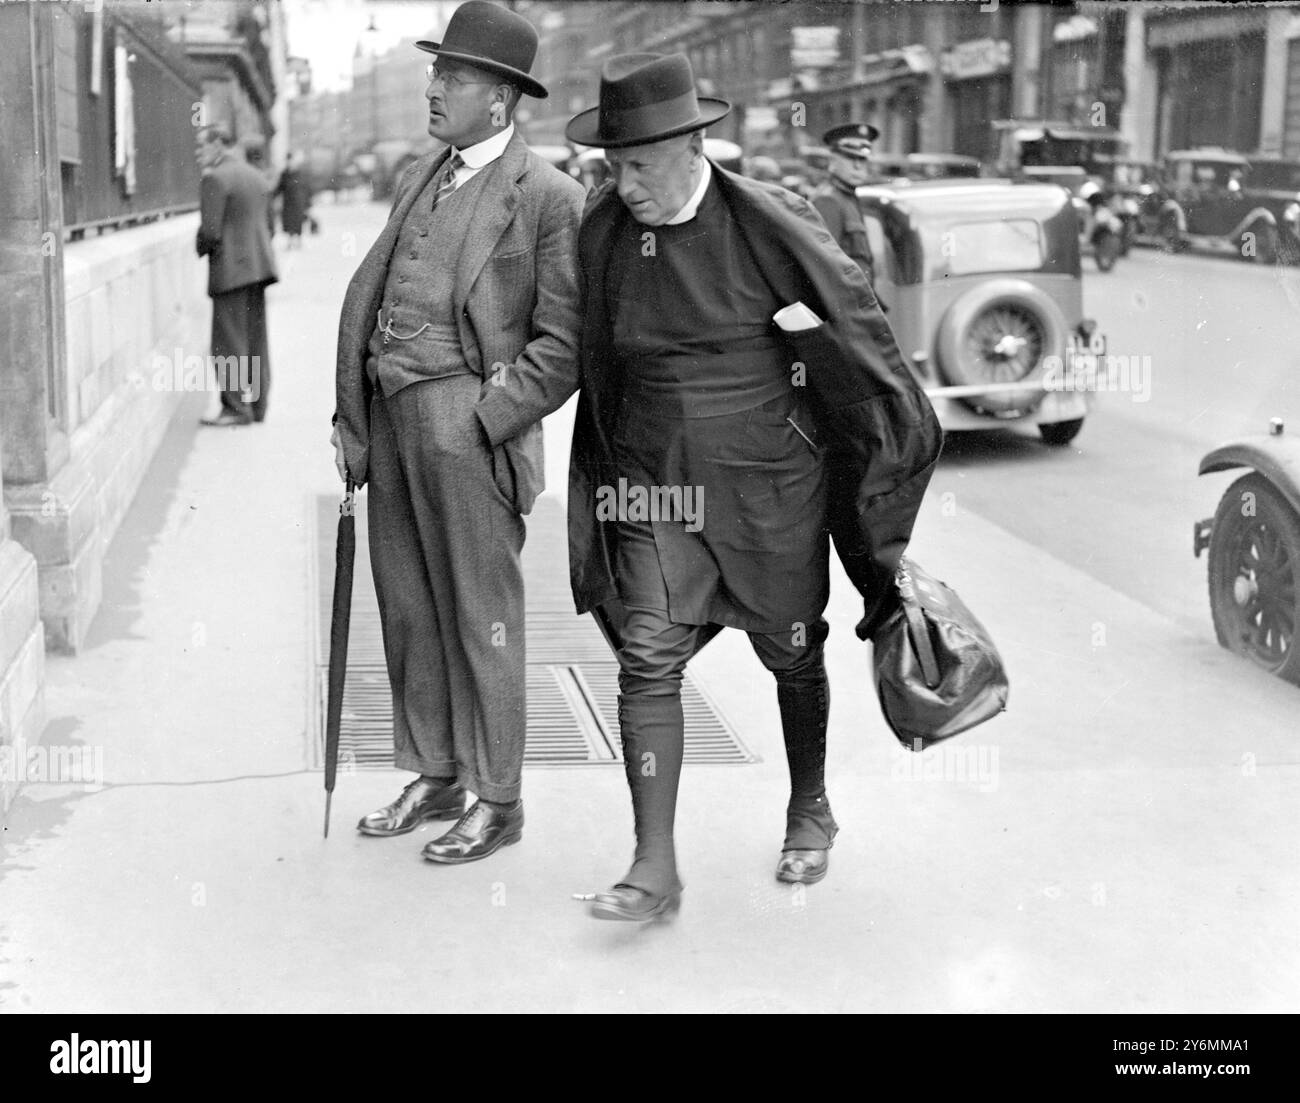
point(879, 433)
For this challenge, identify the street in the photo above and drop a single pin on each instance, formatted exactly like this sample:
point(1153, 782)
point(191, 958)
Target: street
point(1122, 839)
point(1223, 342)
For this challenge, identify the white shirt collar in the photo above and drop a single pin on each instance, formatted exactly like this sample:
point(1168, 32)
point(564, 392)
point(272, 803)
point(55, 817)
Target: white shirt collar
point(693, 204)
point(488, 150)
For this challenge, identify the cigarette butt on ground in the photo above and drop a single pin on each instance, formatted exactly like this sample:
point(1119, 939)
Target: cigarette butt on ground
point(584, 896)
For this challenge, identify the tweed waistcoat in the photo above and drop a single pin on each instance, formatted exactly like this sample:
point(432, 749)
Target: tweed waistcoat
point(416, 335)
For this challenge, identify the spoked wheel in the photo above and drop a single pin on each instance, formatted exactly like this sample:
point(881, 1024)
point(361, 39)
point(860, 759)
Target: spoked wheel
point(1254, 564)
point(1005, 343)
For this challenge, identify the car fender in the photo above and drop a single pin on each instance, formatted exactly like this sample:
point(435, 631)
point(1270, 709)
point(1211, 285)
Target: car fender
point(1258, 215)
point(1276, 458)
point(1171, 206)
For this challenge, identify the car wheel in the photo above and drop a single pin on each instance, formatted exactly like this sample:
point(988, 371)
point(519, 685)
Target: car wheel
point(1265, 243)
point(1059, 433)
point(1107, 248)
point(1254, 564)
point(1000, 332)
point(1126, 237)
point(1171, 237)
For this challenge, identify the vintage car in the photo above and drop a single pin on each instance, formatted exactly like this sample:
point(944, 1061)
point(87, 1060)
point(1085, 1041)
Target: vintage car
point(1101, 230)
point(1276, 184)
point(1204, 200)
point(1072, 155)
point(1254, 546)
point(894, 167)
point(982, 283)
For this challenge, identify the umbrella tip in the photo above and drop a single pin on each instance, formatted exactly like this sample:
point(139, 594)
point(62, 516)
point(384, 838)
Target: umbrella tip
point(328, 798)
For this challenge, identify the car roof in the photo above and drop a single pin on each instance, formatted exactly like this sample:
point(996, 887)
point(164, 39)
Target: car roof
point(1207, 153)
point(1036, 128)
point(971, 197)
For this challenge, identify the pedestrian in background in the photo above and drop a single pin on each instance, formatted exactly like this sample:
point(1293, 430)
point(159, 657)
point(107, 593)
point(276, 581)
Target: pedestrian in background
point(459, 332)
point(705, 370)
point(294, 191)
point(837, 201)
point(234, 234)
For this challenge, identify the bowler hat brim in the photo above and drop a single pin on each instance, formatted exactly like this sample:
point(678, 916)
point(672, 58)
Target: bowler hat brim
point(584, 127)
point(516, 76)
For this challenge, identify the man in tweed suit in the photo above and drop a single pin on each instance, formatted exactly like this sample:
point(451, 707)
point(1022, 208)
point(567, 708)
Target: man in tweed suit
point(459, 333)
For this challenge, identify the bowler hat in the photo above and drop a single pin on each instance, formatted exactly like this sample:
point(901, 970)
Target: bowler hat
point(644, 98)
point(491, 37)
point(851, 139)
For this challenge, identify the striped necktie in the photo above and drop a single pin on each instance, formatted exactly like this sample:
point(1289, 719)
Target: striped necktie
point(448, 184)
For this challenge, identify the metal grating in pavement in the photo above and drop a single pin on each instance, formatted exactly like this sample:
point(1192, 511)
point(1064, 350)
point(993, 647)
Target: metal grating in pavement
point(572, 678)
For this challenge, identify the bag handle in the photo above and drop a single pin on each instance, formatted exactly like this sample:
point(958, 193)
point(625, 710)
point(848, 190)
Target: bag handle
point(916, 627)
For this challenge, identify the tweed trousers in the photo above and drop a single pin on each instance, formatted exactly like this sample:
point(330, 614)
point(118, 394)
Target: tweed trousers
point(445, 541)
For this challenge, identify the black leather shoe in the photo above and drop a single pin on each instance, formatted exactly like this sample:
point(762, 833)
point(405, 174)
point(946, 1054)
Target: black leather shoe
point(226, 418)
point(803, 867)
point(634, 905)
point(482, 830)
point(424, 799)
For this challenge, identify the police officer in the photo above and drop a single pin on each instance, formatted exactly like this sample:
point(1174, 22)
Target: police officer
point(836, 201)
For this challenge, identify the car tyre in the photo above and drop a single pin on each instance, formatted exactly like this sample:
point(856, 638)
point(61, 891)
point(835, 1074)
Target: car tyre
point(1171, 237)
point(1266, 245)
point(1107, 248)
point(977, 321)
point(1254, 569)
point(1059, 433)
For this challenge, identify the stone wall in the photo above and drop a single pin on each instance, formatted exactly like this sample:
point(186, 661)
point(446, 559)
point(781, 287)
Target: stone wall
point(129, 297)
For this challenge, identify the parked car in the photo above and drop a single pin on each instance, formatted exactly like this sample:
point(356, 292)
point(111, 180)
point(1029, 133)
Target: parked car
point(1072, 155)
point(1042, 143)
point(1276, 184)
point(983, 287)
point(1254, 545)
point(1205, 200)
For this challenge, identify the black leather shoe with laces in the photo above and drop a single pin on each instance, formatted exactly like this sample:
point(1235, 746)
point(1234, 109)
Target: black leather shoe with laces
point(426, 798)
point(482, 830)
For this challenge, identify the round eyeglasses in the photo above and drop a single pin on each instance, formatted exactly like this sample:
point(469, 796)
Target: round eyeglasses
point(450, 80)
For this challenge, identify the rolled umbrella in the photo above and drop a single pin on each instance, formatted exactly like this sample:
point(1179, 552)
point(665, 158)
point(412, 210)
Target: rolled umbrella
point(340, 621)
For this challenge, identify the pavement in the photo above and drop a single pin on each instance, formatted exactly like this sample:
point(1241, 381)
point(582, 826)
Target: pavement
point(1121, 839)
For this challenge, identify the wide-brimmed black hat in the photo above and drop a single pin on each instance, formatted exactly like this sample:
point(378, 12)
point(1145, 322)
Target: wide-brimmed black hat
point(491, 37)
point(851, 139)
point(644, 98)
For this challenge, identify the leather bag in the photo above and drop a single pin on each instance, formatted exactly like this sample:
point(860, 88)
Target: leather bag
point(937, 671)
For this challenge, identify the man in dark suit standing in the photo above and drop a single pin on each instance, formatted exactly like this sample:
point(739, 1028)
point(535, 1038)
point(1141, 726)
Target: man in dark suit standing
point(459, 332)
point(731, 354)
point(234, 207)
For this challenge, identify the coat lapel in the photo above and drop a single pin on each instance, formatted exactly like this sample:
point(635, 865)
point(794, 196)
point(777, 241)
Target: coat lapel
point(492, 213)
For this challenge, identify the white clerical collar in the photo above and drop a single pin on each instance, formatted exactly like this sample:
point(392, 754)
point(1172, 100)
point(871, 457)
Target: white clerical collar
point(693, 204)
point(488, 150)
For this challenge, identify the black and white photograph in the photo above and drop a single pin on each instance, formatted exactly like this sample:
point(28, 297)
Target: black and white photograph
point(653, 507)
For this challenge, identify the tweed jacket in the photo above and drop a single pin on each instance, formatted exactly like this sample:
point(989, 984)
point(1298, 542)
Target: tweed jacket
point(234, 206)
point(516, 305)
point(879, 433)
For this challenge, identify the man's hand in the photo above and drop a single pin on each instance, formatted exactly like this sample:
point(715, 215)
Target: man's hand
point(339, 462)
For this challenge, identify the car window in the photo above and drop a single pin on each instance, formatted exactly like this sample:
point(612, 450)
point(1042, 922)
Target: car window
point(1007, 245)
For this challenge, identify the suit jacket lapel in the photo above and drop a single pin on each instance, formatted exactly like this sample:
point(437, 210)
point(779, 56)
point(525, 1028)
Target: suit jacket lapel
point(492, 213)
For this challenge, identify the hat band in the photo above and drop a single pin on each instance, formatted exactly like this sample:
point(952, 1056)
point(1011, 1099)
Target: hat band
point(618, 123)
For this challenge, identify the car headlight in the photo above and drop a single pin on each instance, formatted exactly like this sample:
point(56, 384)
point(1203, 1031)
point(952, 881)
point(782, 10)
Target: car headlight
point(1292, 213)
